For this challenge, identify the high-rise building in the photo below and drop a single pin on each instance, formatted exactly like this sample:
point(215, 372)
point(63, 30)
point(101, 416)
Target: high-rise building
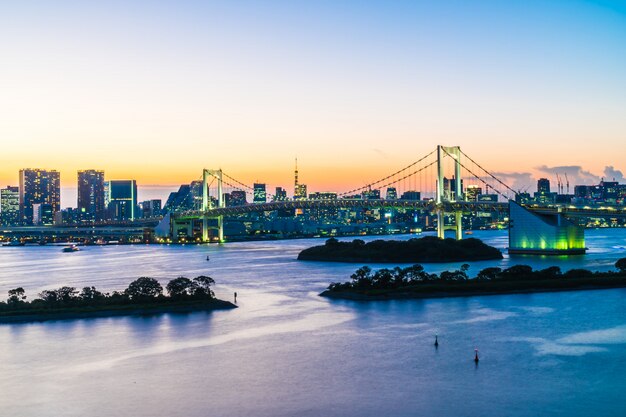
point(9, 205)
point(38, 186)
point(150, 208)
point(543, 186)
point(43, 214)
point(472, 192)
point(90, 203)
point(121, 199)
point(281, 194)
point(238, 198)
point(300, 193)
point(260, 195)
point(392, 193)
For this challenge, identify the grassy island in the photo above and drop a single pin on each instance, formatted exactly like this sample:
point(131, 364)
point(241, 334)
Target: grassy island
point(143, 296)
point(414, 282)
point(425, 249)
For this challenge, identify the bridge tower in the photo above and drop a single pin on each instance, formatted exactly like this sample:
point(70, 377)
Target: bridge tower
point(441, 198)
point(217, 174)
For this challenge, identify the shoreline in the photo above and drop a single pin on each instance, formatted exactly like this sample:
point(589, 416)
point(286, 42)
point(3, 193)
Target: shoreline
point(426, 291)
point(116, 311)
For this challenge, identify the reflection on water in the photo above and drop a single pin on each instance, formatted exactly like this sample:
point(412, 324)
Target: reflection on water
point(287, 352)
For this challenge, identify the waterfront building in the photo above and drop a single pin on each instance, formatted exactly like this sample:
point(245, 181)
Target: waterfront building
point(260, 195)
point(121, 199)
point(90, 203)
point(43, 214)
point(38, 186)
point(535, 233)
point(392, 193)
point(9, 205)
point(300, 192)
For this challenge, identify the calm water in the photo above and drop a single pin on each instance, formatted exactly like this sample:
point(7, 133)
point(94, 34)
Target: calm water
point(288, 352)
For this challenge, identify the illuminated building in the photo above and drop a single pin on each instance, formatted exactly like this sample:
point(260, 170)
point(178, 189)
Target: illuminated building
point(549, 234)
point(121, 199)
point(543, 186)
point(43, 214)
point(237, 198)
point(38, 186)
point(260, 195)
point(392, 193)
point(281, 194)
point(151, 208)
point(91, 194)
point(9, 205)
point(472, 192)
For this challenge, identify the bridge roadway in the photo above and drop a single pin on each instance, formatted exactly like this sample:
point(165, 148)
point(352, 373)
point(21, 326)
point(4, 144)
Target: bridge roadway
point(448, 207)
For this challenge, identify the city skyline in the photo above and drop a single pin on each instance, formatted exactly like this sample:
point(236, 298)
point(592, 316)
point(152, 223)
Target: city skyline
point(349, 88)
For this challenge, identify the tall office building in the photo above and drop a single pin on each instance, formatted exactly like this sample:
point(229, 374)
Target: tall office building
point(260, 195)
point(91, 194)
point(237, 198)
point(281, 194)
point(121, 199)
point(543, 186)
point(150, 208)
point(38, 186)
point(392, 193)
point(9, 205)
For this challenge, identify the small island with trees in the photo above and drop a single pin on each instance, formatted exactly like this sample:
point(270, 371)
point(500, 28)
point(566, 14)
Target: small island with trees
point(142, 297)
point(426, 249)
point(415, 282)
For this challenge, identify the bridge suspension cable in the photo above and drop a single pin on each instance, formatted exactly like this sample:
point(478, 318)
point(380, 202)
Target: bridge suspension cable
point(479, 178)
point(488, 173)
point(370, 185)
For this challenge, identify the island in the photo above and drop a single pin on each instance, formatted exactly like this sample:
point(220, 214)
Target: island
point(417, 250)
point(142, 297)
point(415, 282)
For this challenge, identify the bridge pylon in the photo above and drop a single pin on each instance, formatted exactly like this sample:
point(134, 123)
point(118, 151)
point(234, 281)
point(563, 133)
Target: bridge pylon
point(207, 205)
point(442, 196)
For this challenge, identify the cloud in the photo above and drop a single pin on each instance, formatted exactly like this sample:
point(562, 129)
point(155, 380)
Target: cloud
point(519, 181)
point(611, 173)
point(575, 174)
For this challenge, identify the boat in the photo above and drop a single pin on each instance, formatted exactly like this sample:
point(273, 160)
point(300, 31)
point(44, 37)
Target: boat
point(71, 248)
point(469, 232)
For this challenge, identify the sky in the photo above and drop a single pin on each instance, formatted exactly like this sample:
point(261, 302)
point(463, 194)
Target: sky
point(157, 90)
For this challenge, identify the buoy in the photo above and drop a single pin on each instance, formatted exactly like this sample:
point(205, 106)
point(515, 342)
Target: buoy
point(476, 356)
point(436, 341)
point(207, 257)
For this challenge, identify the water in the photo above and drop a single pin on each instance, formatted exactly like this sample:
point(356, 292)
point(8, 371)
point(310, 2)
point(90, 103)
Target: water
point(288, 352)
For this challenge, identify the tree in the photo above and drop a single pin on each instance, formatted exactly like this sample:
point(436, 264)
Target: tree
point(16, 295)
point(362, 276)
point(180, 287)
point(488, 274)
point(202, 286)
point(144, 288)
point(621, 265)
point(90, 294)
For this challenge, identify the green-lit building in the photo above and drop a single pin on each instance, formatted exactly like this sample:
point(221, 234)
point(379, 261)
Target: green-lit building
point(544, 234)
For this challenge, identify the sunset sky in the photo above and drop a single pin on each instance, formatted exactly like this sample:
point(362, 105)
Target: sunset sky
point(157, 90)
